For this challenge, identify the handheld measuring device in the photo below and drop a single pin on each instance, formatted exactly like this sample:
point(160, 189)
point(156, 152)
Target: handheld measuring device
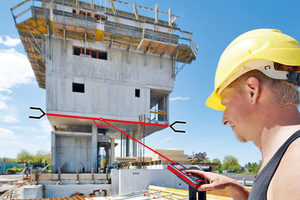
point(192, 180)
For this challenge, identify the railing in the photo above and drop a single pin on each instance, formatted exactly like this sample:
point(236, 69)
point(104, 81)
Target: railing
point(158, 115)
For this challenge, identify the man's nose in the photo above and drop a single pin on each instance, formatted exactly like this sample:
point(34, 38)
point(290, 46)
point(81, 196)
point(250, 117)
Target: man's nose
point(225, 120)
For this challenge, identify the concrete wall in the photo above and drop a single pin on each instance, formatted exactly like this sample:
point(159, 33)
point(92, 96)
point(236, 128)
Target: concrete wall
point(71, 150)
point(33, 192)
point(123, 181)
point(109, 84)
point(139, 179)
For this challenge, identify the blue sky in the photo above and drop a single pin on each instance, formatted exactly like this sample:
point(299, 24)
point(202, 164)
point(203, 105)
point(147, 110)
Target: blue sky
point(214, 24)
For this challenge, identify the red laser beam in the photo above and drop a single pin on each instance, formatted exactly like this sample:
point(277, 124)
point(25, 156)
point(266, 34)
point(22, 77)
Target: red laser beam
point(109, 120)
point(100, 125)
point(120, 121)
point(137, 141)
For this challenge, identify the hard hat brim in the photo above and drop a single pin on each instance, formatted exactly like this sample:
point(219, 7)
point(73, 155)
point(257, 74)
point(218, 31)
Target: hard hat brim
point(214, 102)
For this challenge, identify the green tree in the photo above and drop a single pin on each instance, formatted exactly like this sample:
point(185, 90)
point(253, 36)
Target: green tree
point(218, 167)
point(253, 167)
point(39, 158)
point(258, 166)
point(24, 155)
point(4, 159)
point(231, 163)
point(207, 160)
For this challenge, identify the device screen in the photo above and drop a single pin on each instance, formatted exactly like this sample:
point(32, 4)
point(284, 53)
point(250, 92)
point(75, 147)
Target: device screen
point(181, 168)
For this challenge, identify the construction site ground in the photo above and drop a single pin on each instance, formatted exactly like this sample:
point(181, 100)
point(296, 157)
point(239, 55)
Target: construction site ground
point(11, 187)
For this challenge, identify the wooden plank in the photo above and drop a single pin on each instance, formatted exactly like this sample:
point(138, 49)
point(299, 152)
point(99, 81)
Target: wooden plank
point(153, 46)
point(162, 47)
point(144, 46)
point(171, 49)
point(169, 152)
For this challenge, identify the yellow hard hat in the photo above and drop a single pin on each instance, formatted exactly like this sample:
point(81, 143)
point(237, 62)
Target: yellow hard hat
point(256, 49)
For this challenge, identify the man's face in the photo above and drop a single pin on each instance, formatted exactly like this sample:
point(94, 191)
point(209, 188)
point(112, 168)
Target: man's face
point(236, 113)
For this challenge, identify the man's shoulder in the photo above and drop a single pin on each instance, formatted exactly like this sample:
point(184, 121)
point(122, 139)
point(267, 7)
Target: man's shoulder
point(286, 180)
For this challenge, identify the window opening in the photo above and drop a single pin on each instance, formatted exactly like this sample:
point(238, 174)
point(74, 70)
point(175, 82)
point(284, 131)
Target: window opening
point(76, 51)
point(137, 92)
point(78, 87)
point(93, 53)
point(102, 55)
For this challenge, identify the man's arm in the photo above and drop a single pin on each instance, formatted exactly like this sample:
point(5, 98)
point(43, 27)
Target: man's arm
point(220, 182)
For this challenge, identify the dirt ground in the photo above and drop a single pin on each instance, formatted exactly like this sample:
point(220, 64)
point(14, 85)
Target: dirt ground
point(11, 190)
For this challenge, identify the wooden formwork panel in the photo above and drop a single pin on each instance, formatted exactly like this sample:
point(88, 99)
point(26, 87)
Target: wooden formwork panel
point(75, 35)
point(161, 49)
point(171, 50)
point(126, 40)
point(72, 28)
point(156, 47)
point(37, 23)
point(144, 45)
point(120, 41)
point(153, 47)
point(124, 46)
point(135, 44)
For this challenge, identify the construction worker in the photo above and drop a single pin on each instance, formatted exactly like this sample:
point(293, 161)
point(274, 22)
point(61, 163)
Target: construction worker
point(26, 168)
point(256, 84)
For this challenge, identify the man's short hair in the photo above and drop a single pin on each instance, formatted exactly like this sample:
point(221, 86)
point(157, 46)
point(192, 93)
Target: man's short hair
point(284, 92)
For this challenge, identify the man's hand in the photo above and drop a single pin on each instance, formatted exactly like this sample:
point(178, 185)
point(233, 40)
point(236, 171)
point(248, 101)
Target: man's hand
point(220, 182)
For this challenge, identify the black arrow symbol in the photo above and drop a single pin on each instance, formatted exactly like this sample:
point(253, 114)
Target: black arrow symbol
point(177, 122)
point(35, 108)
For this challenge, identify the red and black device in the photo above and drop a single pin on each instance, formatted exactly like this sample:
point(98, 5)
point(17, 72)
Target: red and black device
point(192, 180)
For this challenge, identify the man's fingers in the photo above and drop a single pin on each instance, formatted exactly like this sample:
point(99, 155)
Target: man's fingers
point(195, 172)
point(200, 173)
point(205, 187)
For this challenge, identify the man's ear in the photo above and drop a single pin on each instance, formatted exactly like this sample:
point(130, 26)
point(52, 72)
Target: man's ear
point(253, 89)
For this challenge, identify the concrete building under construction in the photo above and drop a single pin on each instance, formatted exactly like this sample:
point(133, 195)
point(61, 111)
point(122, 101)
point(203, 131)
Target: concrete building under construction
point(100, 61)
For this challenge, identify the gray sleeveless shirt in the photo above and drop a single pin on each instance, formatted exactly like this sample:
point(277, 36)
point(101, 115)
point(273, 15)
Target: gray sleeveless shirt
point(262, 180)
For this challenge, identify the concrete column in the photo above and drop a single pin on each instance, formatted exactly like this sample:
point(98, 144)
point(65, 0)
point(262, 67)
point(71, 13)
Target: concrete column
point(53, 153)
point(112, 150)
point(168, 107)
point(94, 144)
point(127, 146)
point(135, 133)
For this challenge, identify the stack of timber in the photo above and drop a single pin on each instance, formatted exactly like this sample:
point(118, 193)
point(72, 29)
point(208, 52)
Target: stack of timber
point(131, 159)
point(174, 155)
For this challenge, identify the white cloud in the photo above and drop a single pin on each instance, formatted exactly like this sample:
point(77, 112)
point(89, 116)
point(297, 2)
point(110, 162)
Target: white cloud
point(7, 137)
point(45, 127)
point(10, 42)
point(8, 115)
point(2, 104)
point(179, 98)
point(14, 70)
point(165, 140)
point(16, 138)
point(3, 100)
point(9, 119)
